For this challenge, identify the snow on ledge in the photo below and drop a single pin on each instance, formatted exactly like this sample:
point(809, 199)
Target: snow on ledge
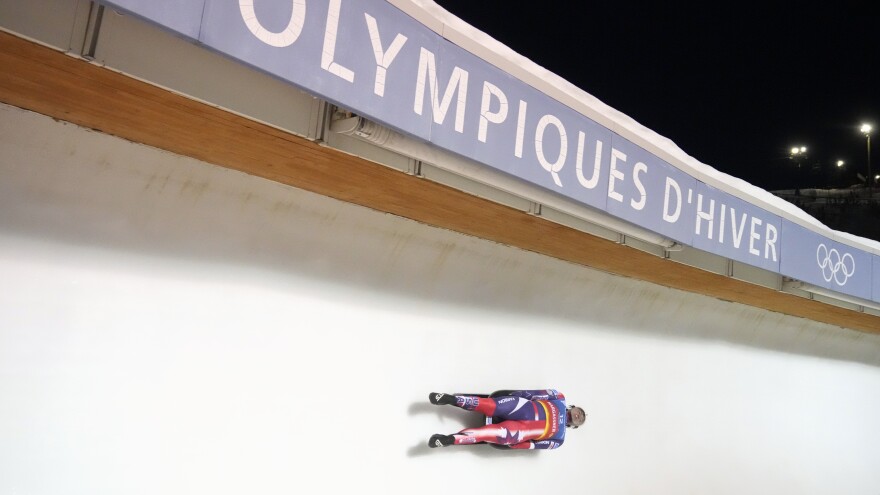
point(496, 53)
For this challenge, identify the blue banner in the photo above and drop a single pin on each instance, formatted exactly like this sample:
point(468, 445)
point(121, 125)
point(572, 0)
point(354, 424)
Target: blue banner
point(730, 227)
point(815, 259)
point(875, 292)
point(369, 57)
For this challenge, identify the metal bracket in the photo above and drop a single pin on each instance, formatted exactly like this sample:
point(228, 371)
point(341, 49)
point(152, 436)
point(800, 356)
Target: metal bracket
point(319, 120)
point(93, 31)
point(535, 208)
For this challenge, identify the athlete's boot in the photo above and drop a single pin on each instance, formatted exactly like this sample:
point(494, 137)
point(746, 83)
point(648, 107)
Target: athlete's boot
point(441, 399)
point(438, 440)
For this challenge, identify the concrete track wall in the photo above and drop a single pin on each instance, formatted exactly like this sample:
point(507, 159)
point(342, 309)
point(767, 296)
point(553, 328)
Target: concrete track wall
point(167, 326)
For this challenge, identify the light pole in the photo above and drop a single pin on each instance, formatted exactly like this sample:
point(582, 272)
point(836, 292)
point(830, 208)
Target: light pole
point(866, 130)
point(798, 153)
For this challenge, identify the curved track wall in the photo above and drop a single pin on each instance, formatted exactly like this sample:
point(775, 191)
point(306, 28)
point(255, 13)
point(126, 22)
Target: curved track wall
point(170, 326)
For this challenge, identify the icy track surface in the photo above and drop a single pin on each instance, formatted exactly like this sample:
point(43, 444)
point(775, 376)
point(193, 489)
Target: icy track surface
point(167, 326)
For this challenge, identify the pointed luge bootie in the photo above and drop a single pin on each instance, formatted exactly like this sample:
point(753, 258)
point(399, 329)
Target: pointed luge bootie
point(441, 399)
point(438, 440)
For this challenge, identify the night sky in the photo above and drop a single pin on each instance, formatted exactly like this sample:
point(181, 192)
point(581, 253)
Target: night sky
point(733, 85)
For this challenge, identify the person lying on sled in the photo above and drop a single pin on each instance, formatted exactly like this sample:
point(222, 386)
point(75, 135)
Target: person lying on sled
point(528, 419)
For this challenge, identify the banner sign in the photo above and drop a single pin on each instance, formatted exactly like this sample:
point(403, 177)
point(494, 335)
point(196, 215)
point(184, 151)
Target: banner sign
point(826, 263)
point(369, 57)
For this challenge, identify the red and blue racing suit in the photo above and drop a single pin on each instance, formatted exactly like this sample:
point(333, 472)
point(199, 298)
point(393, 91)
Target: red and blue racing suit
point(529, 419)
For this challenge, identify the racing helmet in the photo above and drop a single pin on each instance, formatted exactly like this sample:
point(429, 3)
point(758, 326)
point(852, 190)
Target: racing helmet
point(568, 413)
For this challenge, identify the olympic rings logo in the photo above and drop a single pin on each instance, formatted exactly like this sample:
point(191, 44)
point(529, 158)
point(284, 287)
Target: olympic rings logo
point(834, 266)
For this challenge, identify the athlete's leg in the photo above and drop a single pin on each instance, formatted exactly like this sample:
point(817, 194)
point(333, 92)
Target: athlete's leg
point(521, 420)
point(483, 405)
point(505, 406)
point(504, 433)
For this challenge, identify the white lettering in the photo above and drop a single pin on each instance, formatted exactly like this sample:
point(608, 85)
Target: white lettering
point(754, 236)
point(671, 185)
point(329, 51)
point(615, 174)
point(721, 220)
point(520, 129)
point(770, 236)
point(282, 39)
point(640, 204)
point(428, 76)
point(737, 236)
point(553, 168)
point(490, 90)
point(701, 215)
point(594, 179)
point(383, 57)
